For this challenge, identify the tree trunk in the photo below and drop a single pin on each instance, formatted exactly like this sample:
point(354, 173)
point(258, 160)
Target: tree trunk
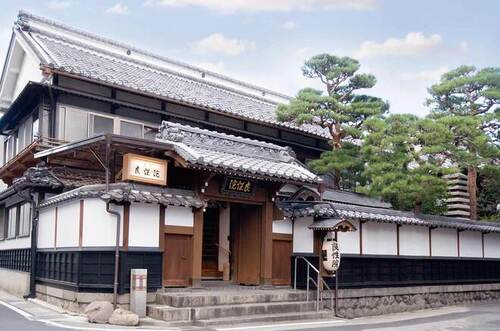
point(472, 188)
point(417, 208)
point(336, 144)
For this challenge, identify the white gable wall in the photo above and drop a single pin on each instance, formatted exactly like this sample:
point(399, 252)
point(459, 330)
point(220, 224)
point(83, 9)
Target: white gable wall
point(144, 225)
point(21, 67)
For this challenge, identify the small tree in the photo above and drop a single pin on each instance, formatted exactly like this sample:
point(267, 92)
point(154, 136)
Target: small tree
point(401, 163)
point(340, 111)
point(467, 102)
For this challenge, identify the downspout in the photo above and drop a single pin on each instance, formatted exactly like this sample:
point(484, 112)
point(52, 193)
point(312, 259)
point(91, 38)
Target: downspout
point(34, 240)
point(117, 253)
point(118, 220)
point(34, 247)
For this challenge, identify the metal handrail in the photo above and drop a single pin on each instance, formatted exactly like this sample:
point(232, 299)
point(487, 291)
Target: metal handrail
point(320, 280)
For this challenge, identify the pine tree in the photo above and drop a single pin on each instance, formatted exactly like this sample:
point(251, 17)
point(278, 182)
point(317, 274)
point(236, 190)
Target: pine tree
point(341, 111)
point(467, 102)
point(402, 164)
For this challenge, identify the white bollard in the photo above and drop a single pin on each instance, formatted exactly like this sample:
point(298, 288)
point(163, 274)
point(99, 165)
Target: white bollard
point(138, 291)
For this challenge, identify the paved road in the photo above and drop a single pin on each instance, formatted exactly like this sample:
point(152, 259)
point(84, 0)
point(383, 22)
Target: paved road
point(13, 321)
point(480, 317)
point(483, 317)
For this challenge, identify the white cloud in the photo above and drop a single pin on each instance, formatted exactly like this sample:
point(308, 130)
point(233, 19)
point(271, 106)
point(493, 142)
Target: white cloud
point(59, 4)
point(290, 25)
point(414, 43)
point(218, 43)
point(231, 6)
point(432, 75)
point(118, 9)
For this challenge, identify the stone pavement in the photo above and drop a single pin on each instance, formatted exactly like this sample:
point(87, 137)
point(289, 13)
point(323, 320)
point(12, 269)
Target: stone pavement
point(52, 316)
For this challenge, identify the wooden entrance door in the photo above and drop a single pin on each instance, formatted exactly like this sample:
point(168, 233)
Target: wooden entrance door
point(210, 252)
point(246, 220)
point(177, 259)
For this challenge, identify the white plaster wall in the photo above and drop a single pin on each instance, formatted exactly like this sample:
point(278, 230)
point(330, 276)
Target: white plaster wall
point(144, 222)
point(282, 226)
point(492, 245)
point(99, 227)
point(303, 237)
point(349, 241)
point(379, 238)
point(15, 282)
point(23, 242)
point(179, 216)
point(224, 219)
point(444, 242)
point(68, 224)
point(29, 71)
point(471, 244)
point(46, 227)
point(414, 240)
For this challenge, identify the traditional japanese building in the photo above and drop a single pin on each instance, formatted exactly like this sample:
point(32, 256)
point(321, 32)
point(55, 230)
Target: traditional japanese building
point(115, 158)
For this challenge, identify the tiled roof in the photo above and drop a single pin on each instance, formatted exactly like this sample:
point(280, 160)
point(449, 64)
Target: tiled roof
point(395, 216)
point(252, 158)
point(129, 192)
point(354, 198)
point(58, 177)
point(85, 55)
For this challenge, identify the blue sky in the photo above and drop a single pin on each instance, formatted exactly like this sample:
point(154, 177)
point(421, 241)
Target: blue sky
point(406, 44)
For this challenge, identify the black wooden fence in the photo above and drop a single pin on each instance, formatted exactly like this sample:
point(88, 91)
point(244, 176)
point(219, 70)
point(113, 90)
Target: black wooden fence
point(383, 271)
point(16, 259)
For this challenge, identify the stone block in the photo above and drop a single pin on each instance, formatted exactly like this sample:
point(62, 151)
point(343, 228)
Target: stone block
point(123, 317)
point(99, 311)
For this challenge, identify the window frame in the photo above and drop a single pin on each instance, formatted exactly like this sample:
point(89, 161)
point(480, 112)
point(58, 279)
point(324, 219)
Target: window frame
point(16, 222)
point(119, 125)
point(90, 124)
point(27, 205)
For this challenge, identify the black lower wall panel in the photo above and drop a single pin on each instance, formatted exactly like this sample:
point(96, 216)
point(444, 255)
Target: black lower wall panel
point(382, 271)
point(93, 271)
point(16, 259)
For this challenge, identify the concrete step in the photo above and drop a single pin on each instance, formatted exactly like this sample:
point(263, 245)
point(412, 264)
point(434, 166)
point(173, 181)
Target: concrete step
point(166, 313)
point(248, 309)
point(322, 314)
point(227, 298)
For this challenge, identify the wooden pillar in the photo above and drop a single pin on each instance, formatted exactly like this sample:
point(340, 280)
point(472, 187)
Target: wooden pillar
point(482, 243)
point(161, 230)
point(398, 226)
point(458, 242)
point(361, 237)
point(80, 224)
point(197, 247)
point(126, 225)
point(266, 248)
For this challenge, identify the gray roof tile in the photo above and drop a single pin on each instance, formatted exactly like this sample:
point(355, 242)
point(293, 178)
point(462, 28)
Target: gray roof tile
point(80, 57)
point(204, 148)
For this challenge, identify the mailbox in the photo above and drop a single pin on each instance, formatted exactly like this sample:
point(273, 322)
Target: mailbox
point(138, 291)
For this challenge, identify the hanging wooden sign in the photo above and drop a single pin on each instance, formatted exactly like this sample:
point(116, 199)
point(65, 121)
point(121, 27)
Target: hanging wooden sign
point(238, 186)
point(144, 169)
